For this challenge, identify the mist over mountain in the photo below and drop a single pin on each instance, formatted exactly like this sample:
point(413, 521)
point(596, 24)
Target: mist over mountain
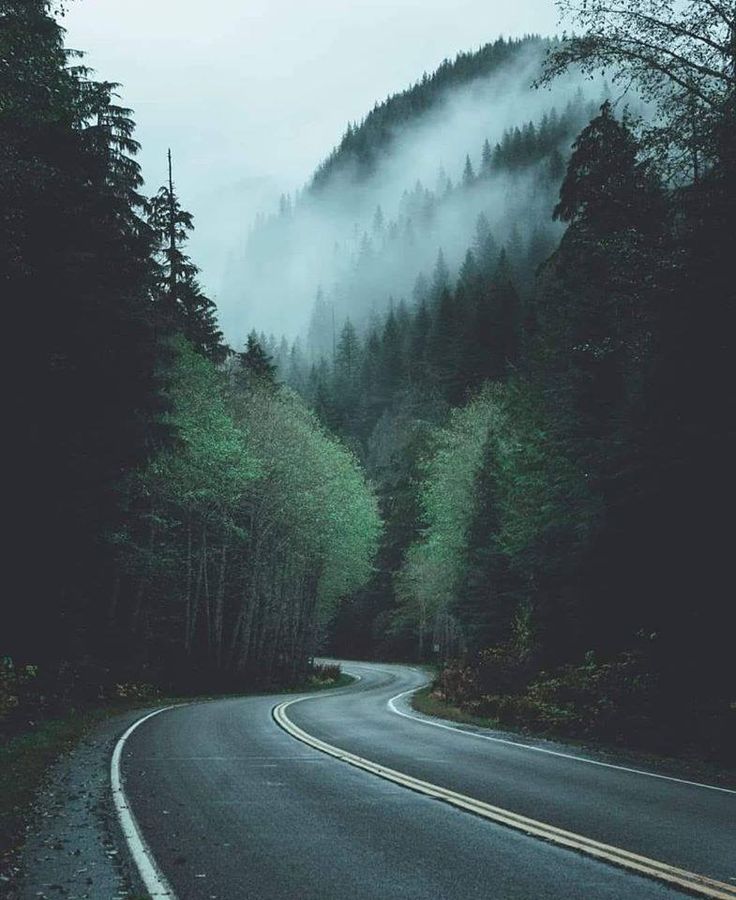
point(473, 139)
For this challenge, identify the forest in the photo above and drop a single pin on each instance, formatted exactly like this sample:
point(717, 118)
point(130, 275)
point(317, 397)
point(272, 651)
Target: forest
point(180, 520)
point(501, 446)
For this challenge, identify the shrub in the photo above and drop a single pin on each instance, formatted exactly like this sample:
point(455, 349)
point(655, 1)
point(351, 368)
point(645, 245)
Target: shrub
point(613, 699)
point(326, 673)
point(457, 683)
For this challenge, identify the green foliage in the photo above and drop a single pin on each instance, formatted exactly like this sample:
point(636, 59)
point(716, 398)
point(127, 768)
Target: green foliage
point(571, 495)
point(316, 488)
point(210, 468)
point(434, 566)
point(249, 531)
point(186, 526)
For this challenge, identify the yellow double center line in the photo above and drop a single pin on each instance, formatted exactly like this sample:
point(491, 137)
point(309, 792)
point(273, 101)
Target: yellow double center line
point(696, 884)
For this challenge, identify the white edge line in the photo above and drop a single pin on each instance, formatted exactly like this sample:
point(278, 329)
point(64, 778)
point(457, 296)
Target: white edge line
point(153, 878)
point(693, 883)
point(592, 762)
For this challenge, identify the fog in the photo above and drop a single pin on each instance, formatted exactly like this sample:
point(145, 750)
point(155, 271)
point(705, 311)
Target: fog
point(331, 242)
point(252, 94)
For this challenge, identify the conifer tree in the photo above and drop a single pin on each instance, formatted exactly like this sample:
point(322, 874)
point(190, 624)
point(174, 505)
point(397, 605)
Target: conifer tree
point(440, 278)
point(75, 264)
point(255, 361)
point(485, 248)
point(468, 173)
point(181, 300)
point(320, 336)
point(486, 168)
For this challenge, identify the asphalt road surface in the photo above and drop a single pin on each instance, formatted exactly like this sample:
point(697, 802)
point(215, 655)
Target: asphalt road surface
point(233, 807)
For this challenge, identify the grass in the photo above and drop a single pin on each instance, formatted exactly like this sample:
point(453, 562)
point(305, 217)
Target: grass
point(424, 701)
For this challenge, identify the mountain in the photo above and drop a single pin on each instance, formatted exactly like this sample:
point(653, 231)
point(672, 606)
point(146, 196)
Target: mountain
point(363, 146)
point(414, 177)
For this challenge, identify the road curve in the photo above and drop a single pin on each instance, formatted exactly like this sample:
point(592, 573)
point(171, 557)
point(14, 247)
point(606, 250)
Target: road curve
point(231, 807)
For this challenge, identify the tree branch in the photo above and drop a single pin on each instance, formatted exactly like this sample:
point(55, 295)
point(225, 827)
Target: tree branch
point(672, 27)
point(698, 67)
point(720, 13)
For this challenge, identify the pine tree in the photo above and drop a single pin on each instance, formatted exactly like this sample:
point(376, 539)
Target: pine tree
point(170, 223)
point(183, 305)
point(440, 278)
point(75, 265)
point(486, 168)
point(297, 375)
point(255, 362)
point(485, 248)
point(320, 336)
point(606, 187)
point(443, 348)
point(391, 356)
point(418, 337)
point(378, 222)
point(468, 173)
point(347, 359)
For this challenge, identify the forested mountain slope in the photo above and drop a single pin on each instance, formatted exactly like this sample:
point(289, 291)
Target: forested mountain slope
point(365, 144)
point(544, 413)
point(411, 179)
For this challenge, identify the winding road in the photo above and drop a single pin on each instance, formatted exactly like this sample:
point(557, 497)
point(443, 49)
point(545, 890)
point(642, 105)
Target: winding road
point(351, 794)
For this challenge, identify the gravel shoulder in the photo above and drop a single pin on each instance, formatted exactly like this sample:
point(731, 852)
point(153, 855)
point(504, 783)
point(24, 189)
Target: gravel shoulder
point(73, 846)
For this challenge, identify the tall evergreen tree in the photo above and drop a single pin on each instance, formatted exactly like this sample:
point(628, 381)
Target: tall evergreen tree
point(486, 160)
point(76, 274)
point(468, 173)
point(255, 361)
point(183, 304)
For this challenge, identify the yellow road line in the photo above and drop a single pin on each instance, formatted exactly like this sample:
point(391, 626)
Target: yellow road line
point(699, 885)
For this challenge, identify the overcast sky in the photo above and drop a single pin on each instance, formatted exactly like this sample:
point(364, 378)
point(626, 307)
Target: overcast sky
point(252, 94)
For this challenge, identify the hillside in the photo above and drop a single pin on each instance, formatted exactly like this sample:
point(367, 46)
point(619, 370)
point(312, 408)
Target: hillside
point(363, 145)
point(472, 140)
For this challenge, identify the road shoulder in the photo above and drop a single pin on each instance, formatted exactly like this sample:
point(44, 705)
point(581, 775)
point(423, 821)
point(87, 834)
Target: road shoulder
point(73, 846)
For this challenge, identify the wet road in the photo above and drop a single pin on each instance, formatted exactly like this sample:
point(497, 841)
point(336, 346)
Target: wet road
point(232, 806)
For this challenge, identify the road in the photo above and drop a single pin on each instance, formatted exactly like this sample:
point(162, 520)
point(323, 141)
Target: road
point(231, 806)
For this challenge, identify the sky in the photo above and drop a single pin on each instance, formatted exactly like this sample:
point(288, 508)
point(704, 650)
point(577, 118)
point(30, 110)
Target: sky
point(252, 94)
